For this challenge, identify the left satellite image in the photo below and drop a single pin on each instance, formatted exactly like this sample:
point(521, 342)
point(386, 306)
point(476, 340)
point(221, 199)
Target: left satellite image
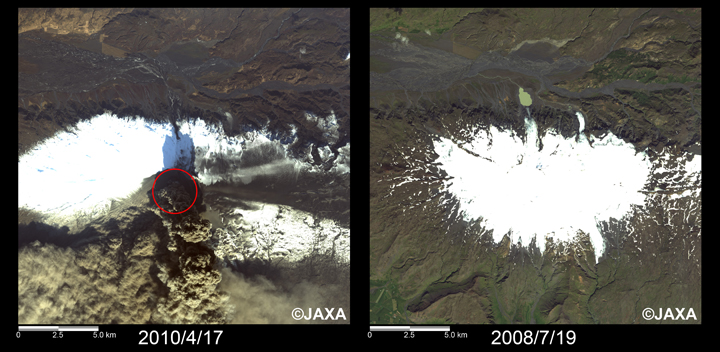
point(183, 166)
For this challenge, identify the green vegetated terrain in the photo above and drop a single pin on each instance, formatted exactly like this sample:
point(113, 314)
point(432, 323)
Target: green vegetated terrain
point(386, 305)
point(638, 66)
point(640, 79)
point(423, 274)
point(473, 31)
point(664, 49)
point(433, 278)
point(416, 20)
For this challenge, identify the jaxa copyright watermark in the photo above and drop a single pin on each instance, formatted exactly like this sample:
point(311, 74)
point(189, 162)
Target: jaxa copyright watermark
point(668, 314)
point(317, 314)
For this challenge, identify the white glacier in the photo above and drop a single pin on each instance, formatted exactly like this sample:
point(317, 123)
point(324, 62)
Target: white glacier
point(555, 192)
point(98, 160)
point(80, 172)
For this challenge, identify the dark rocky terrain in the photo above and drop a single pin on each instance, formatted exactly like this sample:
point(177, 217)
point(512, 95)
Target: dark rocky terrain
point(260, 66)
point(246, 70)
point(633, 72)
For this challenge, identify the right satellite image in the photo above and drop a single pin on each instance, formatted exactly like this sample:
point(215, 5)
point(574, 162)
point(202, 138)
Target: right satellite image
point(536, 166)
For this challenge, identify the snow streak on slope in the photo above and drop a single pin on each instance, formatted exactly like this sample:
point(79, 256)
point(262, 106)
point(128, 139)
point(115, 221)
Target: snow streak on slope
point(279, 233)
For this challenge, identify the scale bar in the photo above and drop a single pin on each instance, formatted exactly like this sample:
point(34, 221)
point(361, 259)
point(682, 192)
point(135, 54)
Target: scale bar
point(409, 328)
point(429, 328)
point(57, 328)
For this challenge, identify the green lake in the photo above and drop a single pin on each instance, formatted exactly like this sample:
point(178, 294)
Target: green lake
point(525, 99)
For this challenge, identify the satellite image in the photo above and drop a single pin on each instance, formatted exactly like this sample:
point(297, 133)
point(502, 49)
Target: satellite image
point(180, 166)
point(536, 166)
